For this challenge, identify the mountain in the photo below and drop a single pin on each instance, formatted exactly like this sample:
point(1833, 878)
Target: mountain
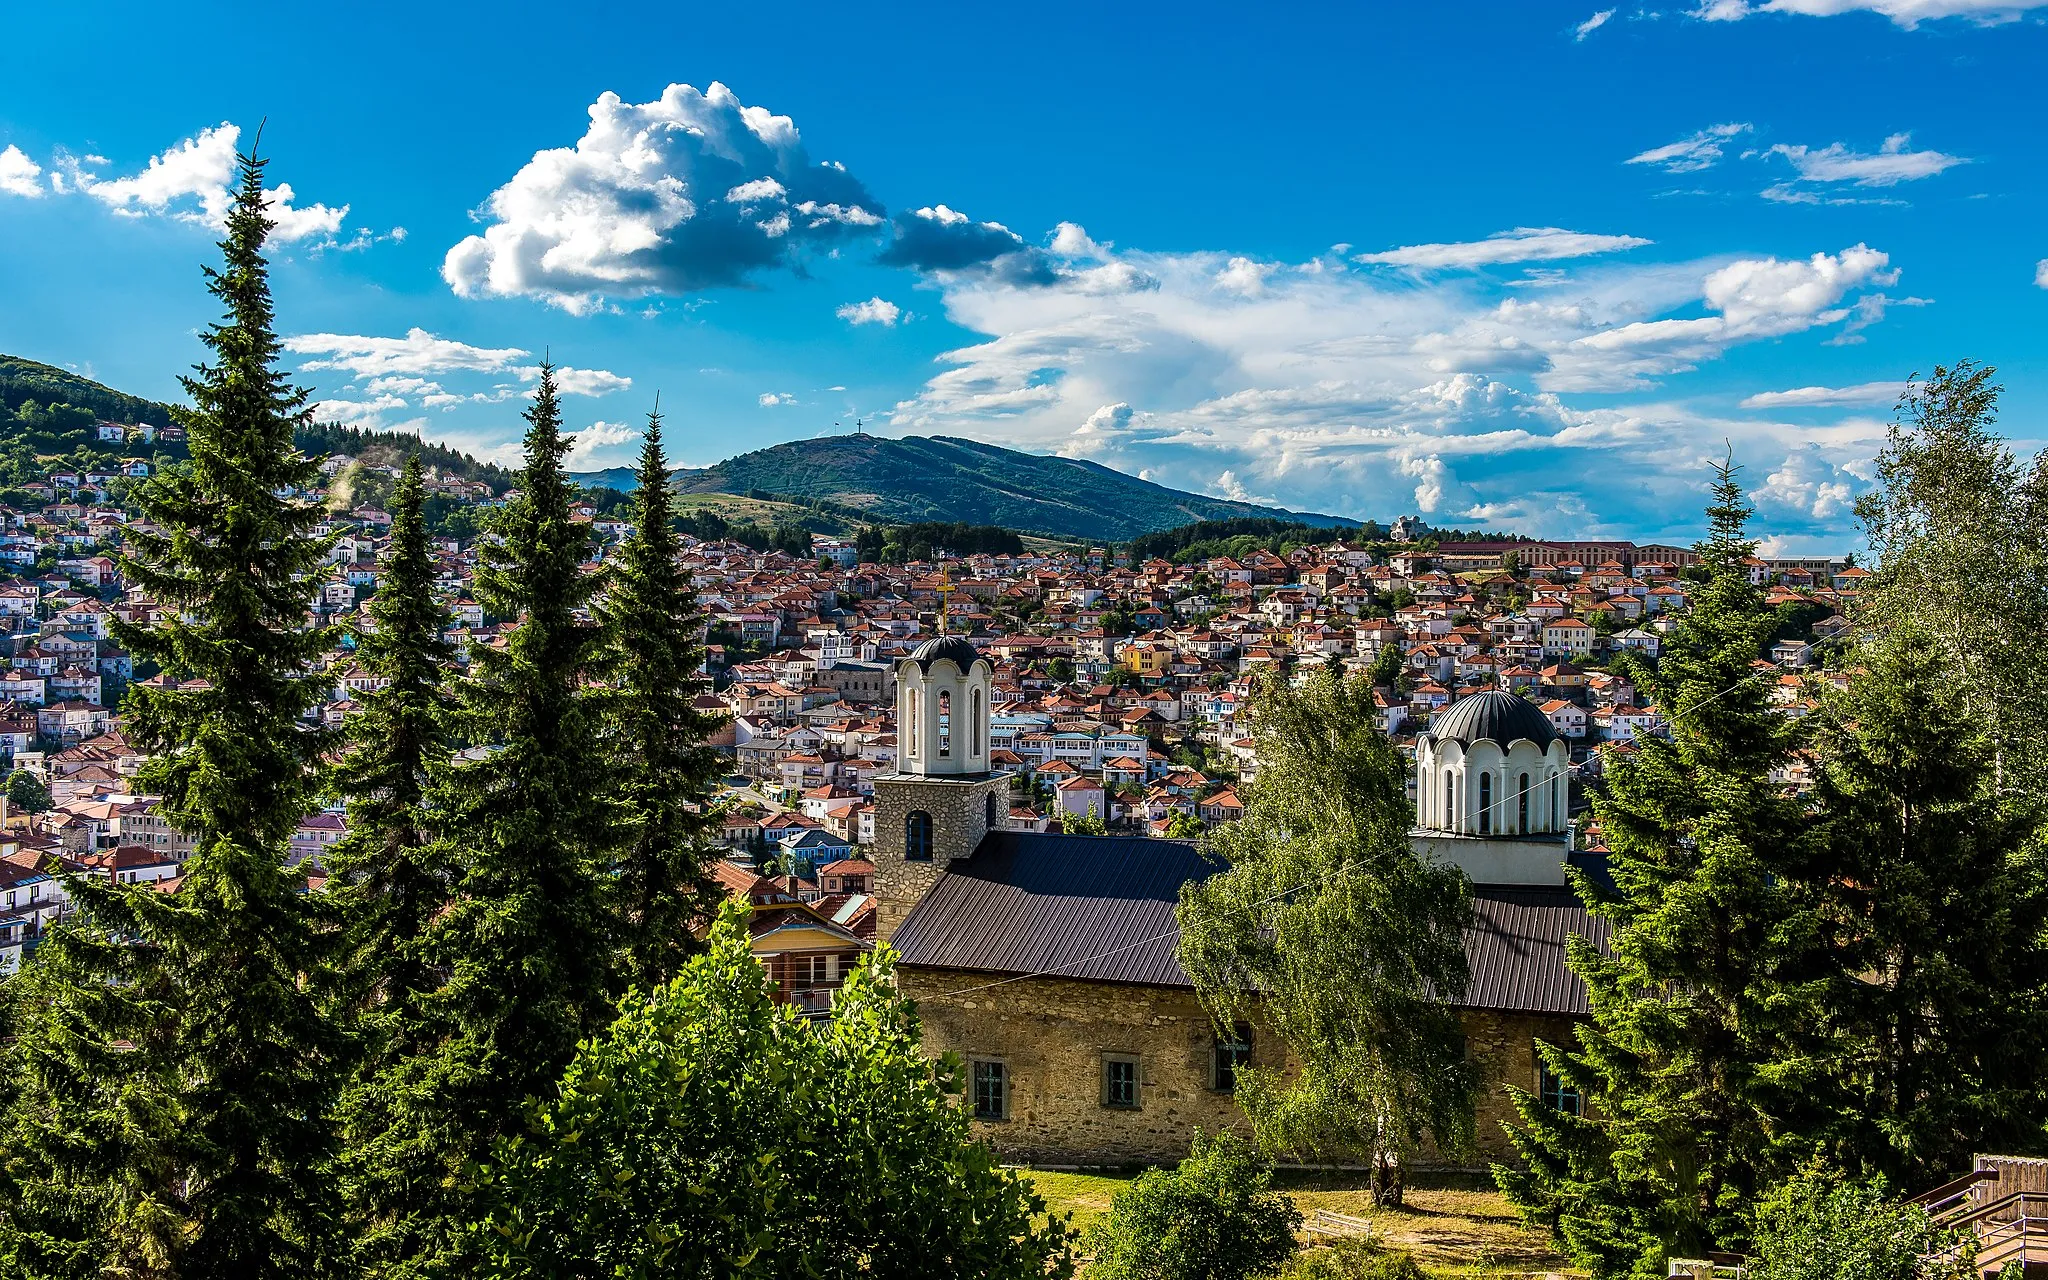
point(942, 478)
point(22, 381)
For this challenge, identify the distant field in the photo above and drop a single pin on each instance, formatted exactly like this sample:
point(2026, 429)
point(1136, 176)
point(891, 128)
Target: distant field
point(735, 507)
point(1464, 1228)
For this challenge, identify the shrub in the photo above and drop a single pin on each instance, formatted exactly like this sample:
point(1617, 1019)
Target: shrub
point(1215, 1217)
point(1352, 1259)
point(1819, 1225)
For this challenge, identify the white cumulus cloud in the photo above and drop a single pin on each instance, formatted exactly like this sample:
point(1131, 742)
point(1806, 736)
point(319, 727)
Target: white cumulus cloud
point(1523, 244)
point(879, 311)
point(2041, 274)
point(19, 174)
point(194, 181)
point(595, 439)
point(687, 192)
point(1592, 24)
point(770, 399)
point(1343, 388)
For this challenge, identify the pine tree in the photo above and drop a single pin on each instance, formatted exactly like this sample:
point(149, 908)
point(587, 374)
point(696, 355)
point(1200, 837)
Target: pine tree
point(388, 876)
point(173, 1062)
point(665, 770)
point(530, 835)
point(1933, 889)
point(1696, 998)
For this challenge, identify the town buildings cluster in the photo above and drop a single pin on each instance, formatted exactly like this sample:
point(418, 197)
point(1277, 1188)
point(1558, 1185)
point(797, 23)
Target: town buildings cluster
point(1117, 693)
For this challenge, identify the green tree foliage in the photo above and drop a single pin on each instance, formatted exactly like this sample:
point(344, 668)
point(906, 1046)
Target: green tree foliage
point(1326, 926)
point(1389, 665)
point(1960, 531)
point(1216, 1217)
point(172, 1062)
point(389, 878)
point(387, 448)
point(525, 943)
point(1678, 1056)
point(902, 543)
point(664, 772)
point(26, 792)
point(1082, 824)
point(1206, 539)
point(1818, 1225)
point(1933, 891)
point(710, 1132)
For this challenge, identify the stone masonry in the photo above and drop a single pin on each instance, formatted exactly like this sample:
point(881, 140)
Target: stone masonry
point(959, 810)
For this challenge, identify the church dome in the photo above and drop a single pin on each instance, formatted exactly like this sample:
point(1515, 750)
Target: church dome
point(958, 648)
point(1495, 716)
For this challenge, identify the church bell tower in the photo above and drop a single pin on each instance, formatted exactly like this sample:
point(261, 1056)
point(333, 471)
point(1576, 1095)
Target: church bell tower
point(942, 799)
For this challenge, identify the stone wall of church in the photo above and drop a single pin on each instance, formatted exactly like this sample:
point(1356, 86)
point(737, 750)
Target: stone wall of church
point(959, 809)
point(1052, 1036)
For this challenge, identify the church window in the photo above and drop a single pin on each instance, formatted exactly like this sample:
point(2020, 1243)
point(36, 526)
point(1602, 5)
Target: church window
point(1231, 1052)
point(991, 1090)
point(1485, 804)
point(990, 805)
point(945, 725)
point(1556, 1094)
point(1557, 814)
point(917, 836)
point(974, 723)
point(1120, 1081)
point(1524, 822)
point(910, 720)
point(1450, 815)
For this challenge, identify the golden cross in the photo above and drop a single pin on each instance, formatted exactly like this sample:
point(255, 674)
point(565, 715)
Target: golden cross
point(946, 589)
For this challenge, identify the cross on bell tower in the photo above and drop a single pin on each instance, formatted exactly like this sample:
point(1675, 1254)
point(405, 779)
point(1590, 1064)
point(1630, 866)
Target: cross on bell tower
point(945, 590)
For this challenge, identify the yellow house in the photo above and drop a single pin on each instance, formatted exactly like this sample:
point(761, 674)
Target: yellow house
point(1146, 659)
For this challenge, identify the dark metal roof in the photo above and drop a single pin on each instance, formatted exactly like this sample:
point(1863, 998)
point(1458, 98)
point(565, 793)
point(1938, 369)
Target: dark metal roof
point(1101, 907)
point(1501, 717)
point(959, 648)
point(1031, 903)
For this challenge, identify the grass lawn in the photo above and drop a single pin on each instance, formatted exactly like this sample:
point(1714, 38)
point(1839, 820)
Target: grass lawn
point(1449, 1224)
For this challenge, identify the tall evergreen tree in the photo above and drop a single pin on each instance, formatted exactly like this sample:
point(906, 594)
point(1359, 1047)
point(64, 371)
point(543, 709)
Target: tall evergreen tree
point(1933, 890)
point(665, 771)
point(173, 1062)
point(1681, 1057)
point(531, 836)
point(389, 877)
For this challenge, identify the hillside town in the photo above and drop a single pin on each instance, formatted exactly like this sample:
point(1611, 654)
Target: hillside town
point(1116, 695)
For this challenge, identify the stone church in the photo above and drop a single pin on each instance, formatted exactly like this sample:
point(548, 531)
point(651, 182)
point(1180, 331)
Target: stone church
point(1049, 962)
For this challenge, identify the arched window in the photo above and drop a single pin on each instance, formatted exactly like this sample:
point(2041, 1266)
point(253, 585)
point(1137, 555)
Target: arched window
point(974, 725)
point(910, 721)
point(991, 806)
point(1449, 818)
point(1524, 794)
point(1485, 804)
point(945, 725)
point(1557, 814)
point(917, 836)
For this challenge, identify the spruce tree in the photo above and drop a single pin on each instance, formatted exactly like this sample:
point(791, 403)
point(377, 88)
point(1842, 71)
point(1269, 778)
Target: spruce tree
point(173, 1064)
point(1681, 1058)
point(1933, 890)
point(664, 770)
point(530, 834)
point(389, 878)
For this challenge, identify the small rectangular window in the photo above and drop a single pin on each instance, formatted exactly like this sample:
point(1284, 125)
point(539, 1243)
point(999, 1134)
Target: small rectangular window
point(1556, 1094)
point(991, 1090)
point(1120, 1081)
point(1229, 1055)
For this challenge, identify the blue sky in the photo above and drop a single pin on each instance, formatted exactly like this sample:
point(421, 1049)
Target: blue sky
point(1525, 266)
